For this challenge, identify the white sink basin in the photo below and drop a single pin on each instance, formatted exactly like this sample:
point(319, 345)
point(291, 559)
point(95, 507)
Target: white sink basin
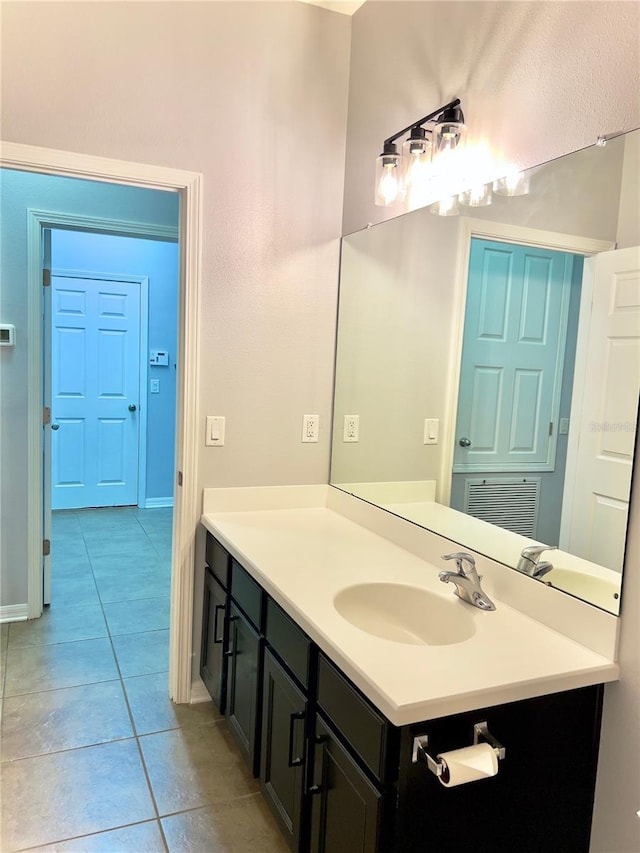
point(599, 591)
point(405, 614)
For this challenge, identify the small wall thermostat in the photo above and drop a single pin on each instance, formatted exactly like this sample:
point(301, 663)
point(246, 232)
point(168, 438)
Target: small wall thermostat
point(159, 357)
point(7, 335)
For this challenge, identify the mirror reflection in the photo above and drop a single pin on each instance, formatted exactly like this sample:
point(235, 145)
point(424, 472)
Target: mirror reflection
point(488, 368)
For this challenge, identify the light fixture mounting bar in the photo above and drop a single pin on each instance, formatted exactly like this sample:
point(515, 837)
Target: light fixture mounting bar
point(422, 121)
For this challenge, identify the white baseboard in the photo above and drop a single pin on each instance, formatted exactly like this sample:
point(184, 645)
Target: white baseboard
point(151, 503)
point(14, 613)
point(199, 692)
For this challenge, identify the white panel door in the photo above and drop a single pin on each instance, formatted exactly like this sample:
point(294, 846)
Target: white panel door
point(95, 351)
point(603, 435)
point(512, 358)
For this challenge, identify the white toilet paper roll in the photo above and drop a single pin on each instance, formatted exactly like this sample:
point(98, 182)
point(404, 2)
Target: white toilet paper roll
point(468, 764)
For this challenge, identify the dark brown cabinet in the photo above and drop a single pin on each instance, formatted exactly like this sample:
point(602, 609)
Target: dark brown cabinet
point(244, 680)
point(213, 669)
point(339, 777)
point(542, 797)
point(284, 748)
point(347, 809)
point(242, 686)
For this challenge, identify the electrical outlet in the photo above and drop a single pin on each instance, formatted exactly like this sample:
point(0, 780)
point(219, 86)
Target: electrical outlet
point(214, 436)
point(351, 428)
point(564, 426)
point(310, 427)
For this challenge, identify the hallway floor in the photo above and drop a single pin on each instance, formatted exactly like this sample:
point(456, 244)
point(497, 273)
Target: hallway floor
point(94, 755)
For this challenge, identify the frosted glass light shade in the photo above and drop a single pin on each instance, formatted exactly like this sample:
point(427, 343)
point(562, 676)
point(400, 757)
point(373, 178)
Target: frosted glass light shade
point(449, 141)
point(390, 186)
point(447, 206)
point(515, 183)
point(417, 163)
point(479, 196)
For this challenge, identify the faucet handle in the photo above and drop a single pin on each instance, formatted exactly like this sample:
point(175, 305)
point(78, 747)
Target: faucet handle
point(532, 552)
point(461, 557)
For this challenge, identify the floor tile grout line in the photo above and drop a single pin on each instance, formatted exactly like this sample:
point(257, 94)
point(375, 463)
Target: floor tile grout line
point(83, 746)
point(120, 678)
point(133, 723)
point(87, 835)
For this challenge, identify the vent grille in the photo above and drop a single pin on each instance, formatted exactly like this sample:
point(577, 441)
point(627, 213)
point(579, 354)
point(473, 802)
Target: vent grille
point(509, 503)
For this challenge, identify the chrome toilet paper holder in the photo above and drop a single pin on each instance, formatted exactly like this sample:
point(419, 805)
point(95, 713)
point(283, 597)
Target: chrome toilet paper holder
point(481, 734)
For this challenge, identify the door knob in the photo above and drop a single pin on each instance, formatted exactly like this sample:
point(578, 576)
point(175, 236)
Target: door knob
point(55, 426)
point(132, 407)
point(464, 442)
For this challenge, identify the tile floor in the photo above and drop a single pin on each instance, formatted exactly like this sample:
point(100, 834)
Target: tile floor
point(94, 755)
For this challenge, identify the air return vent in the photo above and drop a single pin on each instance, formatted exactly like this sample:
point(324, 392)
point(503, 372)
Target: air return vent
point(510, 503)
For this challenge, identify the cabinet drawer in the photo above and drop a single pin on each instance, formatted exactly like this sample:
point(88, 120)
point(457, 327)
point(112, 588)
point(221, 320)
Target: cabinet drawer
point(364, 728)
point(246, 593)
point(218, 560)
point(289, 642)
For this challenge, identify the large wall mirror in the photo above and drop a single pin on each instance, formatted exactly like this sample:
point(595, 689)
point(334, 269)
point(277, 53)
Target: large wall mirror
point(488, 368)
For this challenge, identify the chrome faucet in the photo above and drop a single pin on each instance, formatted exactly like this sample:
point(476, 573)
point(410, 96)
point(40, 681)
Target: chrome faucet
point(467, 580)
point(529, 562)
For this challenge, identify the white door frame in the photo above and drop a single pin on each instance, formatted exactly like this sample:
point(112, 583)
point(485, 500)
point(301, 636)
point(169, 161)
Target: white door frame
point(506, 233)
point(187, 504)
point(143, 360)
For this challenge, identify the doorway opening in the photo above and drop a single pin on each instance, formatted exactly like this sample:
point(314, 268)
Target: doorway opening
point(112, 307)
point(46, 212)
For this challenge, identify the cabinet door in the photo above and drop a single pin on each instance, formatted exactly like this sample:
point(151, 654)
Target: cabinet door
point(284, 714)
point(214, 634)
point(346, 806)
point(243, 685)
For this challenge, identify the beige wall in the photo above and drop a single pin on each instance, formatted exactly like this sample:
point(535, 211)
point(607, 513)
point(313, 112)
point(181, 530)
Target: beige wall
point(536, 80)
point(254, 96)
point(629, 216)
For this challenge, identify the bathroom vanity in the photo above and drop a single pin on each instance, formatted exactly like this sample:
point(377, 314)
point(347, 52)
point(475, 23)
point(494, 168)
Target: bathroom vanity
point(313, 649)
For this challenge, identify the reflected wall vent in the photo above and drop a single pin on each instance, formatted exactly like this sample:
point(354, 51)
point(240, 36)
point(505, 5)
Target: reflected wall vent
point(510, 503)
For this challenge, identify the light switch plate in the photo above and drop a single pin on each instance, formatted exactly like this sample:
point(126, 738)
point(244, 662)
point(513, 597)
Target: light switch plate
point(431, 430)
point(154, 386)
point(214, 436)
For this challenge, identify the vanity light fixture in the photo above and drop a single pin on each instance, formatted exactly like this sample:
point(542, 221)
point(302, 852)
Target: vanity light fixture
point(512, 184)
point(447, 206)
point(395, 174)
point(479, 196)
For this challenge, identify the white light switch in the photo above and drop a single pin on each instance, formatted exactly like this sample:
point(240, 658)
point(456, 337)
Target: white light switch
point(215, 431)
point(155, 386)
point(564, 426)
point(431, 430)
point(351, 428)
point(310, 427)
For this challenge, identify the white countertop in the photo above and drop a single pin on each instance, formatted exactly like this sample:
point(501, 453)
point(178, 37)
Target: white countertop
point(304, 556)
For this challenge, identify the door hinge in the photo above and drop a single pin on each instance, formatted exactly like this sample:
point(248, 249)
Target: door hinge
point(46, 547)
point(46, 277)
point(179, 478)
point(550, 427)
point(46, 415)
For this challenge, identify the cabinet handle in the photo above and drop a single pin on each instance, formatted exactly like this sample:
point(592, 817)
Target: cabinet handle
point(217, 639)
point(318, 765)
point(231, 651)
point(297, 715)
